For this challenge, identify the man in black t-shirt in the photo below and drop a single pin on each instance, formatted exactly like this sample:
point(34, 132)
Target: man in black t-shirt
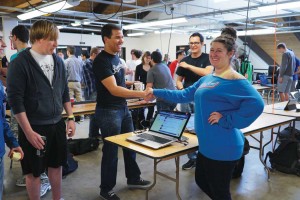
point(112, 114)
point(190, 69)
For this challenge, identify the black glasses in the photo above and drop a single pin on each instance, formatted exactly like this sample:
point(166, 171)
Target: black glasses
point(194, 43)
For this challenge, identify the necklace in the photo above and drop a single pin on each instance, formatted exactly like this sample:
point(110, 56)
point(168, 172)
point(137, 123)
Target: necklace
point(223, 73)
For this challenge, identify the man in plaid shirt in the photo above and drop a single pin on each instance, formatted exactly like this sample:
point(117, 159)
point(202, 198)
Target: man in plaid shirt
point(90, 92)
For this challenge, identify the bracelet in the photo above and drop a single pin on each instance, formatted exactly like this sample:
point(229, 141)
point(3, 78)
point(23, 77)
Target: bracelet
point(71, 117)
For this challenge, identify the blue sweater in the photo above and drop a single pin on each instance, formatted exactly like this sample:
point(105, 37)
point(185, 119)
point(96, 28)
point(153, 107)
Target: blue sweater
point(238, 102)
point(6, 136)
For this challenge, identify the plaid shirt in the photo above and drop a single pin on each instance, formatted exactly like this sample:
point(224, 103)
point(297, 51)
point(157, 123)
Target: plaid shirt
point(89, 77)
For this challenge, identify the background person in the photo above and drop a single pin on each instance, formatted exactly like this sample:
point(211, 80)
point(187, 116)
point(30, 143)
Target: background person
point(190, 69)
point(286, 71)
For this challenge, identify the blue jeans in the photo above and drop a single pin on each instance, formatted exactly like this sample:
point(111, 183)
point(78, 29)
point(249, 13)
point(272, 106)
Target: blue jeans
point(93, 128)
point(189, 107)
point(1, 176)
point(162, 105)
point(115, 121)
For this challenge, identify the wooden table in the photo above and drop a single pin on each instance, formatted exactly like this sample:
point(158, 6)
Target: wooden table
point(278, 109)
point(261, 88)
point(89, 108)
point(175, 150)
point(262, 123)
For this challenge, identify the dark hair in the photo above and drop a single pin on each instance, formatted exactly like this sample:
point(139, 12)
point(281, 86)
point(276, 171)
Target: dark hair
point(21, 32)
point(179, 53)
point(198, 35)
point(71, 50)
point(146, 54)
point(85, 53)
point(156, 56)
point(281, 46)
point(107, 30)
point(137, 53)
point(227, 41)
point(229, 31)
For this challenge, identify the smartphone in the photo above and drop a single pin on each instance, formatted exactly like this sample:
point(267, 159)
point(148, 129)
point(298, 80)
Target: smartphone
point(41, 153)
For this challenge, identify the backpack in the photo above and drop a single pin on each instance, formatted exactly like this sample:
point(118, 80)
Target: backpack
point(82, 145)
point(239, 167)
point(286, 158)
point(70, 166)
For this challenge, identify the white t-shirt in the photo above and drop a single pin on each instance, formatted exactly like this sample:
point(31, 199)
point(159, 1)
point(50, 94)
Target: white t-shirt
point(131, 64)
point(46, 63)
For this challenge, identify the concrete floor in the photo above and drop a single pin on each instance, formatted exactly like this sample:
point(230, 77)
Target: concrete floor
point(83, 184)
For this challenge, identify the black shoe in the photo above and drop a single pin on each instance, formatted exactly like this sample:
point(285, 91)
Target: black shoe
point(140, 184)
point(189, 165)
point(109, 195)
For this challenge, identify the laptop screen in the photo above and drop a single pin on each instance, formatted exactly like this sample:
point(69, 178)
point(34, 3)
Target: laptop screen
point(170, 123)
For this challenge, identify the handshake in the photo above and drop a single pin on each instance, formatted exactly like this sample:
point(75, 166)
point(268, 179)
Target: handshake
point(148, 94)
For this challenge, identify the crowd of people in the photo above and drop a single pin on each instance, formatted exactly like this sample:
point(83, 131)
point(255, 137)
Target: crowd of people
point(208, 85)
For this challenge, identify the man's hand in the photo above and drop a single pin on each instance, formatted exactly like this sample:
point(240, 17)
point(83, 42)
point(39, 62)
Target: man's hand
point(184, 65)
point(71, 128)
point(35, 140)
point(280, 79)
point(214, 118)
point(16, 149)
point(149, 94)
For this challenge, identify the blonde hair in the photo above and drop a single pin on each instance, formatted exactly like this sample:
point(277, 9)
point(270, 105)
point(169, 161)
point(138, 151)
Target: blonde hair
point(43, 29)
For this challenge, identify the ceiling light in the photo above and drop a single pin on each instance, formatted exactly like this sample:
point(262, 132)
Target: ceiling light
point(61, 26)
point(135, 34)
point(257, 32)
point(155, 23)
point(281, 6)
point(49, 8)
point(76, 23)
point(129, 1)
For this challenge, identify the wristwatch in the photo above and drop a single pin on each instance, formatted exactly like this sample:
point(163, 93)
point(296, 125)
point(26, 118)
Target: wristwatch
point(71, 117)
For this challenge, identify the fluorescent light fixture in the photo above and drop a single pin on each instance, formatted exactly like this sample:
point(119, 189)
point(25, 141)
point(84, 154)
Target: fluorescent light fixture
point(135, 34)
point(61, 26)
point(76, 23)
point(169, 31)
point(257, 32)
point(155, 23)
point(281, 6)
point(50, 8)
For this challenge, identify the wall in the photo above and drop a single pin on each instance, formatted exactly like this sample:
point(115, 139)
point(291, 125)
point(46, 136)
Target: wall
point(96, 40)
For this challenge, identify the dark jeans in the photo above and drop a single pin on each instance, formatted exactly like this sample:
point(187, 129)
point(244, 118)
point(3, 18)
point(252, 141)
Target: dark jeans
point(214, 176)
point(113, 122)
point(93, 128)
point(162, 105)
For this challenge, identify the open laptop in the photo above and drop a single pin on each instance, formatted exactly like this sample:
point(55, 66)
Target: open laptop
point(290, 105)
point(166, 128)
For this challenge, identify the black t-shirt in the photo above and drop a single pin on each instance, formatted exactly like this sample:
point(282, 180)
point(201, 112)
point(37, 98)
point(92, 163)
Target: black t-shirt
point(140, 74)
point(190, 77)
point(104, 66)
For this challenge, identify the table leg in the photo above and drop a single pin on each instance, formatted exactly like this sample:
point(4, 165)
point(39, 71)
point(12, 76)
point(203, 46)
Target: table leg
point(154, 178)
point(177, 159)
point(261, 155)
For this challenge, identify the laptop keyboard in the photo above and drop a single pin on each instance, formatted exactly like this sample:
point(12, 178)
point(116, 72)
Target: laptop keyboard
point(154, 138)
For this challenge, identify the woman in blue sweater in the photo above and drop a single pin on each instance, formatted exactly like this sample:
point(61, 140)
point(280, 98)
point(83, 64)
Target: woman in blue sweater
point(225, 102)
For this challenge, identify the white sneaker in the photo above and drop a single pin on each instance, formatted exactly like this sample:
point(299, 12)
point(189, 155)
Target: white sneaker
point(43, 176)
point(45, 187)
point(21, 182)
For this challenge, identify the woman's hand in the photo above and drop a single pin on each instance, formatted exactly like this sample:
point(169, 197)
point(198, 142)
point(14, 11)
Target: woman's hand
point(214, 118)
